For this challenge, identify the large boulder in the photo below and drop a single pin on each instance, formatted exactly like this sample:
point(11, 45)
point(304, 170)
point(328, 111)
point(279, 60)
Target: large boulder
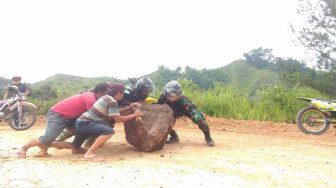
point(150, 132)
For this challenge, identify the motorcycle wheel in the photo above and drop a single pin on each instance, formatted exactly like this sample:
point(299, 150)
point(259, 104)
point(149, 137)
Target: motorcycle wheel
point(304, 120)
point(28, 119)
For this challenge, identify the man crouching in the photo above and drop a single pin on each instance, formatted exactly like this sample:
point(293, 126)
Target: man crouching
point(94, 121)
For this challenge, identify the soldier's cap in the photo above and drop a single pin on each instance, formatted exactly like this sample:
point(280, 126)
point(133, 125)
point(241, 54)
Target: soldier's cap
point(117, 86)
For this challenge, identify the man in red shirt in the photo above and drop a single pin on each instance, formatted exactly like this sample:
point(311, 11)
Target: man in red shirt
point(62, 115)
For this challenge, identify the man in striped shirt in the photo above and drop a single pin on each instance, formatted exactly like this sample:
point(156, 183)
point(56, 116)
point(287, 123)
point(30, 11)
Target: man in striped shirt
point(94, 121)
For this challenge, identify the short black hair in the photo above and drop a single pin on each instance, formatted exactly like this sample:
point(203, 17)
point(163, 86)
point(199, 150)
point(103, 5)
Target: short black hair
point(101, 87)
point(113, 93)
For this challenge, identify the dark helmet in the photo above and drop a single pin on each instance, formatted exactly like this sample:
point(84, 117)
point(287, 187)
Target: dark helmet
point(16, 79)
point(173, 89)
point(145, 84)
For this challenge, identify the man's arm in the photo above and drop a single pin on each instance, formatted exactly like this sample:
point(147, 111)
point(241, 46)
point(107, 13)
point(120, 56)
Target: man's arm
point(27, 92)
point(129, 107)
point(6, 95)
point(136, 114)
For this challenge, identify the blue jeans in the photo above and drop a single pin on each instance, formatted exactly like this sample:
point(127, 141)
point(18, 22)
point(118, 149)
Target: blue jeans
point(16, 117)
point(84, 129)
point(55, 125)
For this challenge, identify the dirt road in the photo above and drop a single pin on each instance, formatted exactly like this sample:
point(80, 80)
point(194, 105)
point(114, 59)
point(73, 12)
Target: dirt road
point(247, 154)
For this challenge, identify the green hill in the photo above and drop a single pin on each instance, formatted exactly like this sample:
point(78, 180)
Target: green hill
point(238, 75)
point(73, 84)
point(63, 85)
point(248, 79)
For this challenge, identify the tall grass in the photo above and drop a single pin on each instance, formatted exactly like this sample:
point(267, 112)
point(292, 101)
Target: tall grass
point(276, 104)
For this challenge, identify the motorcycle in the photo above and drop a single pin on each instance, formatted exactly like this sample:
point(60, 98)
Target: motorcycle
point(316, 118)
point(19, 114)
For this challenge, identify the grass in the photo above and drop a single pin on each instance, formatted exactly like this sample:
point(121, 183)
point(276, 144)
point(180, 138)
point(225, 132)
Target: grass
point(276, 104)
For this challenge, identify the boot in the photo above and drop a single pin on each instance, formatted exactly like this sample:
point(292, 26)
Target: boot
point(208, 139)
point(173, 137)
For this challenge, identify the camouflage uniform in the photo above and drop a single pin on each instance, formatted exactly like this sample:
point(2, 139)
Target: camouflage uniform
point(68, 132)
point(185, 107)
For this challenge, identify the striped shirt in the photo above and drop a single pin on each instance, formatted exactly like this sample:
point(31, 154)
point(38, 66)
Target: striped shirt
point(101, 111)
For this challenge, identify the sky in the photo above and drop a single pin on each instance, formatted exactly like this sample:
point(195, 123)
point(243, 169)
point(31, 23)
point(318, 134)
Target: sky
point(121, 39)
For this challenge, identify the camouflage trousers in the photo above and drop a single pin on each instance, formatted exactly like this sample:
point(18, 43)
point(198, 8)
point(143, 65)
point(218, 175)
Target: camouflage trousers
point(198, 118)
point(66, 133)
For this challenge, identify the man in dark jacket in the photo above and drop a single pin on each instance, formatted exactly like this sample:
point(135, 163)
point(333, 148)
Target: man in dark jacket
point(138, 93)
point(22, 88)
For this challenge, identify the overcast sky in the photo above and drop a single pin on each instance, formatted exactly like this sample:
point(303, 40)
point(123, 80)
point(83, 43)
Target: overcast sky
point(132, 38)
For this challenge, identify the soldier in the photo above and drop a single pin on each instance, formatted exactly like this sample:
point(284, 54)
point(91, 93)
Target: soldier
point(183, 106)
point(138, 93)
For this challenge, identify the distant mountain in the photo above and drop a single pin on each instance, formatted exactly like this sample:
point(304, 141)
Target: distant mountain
point(70, 84)
point(239, 75)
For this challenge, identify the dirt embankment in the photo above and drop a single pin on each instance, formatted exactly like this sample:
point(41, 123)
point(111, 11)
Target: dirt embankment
point(247, 154)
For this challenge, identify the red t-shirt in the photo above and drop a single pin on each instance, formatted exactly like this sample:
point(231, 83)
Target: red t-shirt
point(73, 107)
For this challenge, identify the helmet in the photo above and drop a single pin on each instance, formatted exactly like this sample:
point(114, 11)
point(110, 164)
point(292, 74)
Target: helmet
point(173, 90)
point(145, 84)
point(16, 79)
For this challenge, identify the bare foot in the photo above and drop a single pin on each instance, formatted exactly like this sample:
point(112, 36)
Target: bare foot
point(93, 157)
point(42, 155)
point(21, 153)
point(79, 151)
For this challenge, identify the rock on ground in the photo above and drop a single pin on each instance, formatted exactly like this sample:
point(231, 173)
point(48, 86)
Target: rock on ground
point(150, 132)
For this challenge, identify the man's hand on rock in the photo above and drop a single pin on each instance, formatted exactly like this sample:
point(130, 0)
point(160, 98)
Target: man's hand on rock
point(134, 104)
point(138, 113)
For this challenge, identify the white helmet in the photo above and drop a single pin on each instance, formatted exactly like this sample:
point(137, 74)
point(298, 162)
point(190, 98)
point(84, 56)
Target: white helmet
point(173, 89)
